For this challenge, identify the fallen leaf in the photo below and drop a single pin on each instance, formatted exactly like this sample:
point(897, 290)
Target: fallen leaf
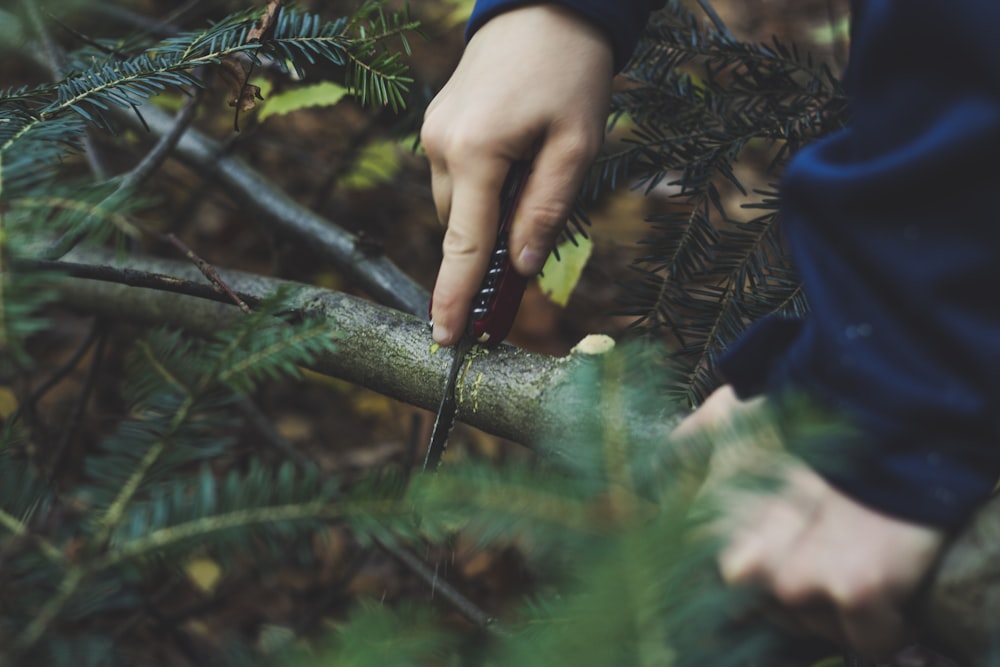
point(8, 402)
point(204, 573)
point(560, 277)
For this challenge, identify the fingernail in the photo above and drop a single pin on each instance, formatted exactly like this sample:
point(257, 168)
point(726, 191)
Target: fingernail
point(531, 259)
point(441, 335)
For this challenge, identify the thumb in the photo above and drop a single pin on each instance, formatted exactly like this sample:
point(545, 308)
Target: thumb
point(557, 174)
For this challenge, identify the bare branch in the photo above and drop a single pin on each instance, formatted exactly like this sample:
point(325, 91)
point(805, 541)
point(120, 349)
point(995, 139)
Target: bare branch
point(376, 274)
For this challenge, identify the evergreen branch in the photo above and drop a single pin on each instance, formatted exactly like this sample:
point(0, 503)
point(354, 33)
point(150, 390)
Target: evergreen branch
point(103, 210)
point(163, 539)
point(303, 344)
point(72, 428)
point(114, 513)
point(47, 615)
point(12, 525)
point(161, 370)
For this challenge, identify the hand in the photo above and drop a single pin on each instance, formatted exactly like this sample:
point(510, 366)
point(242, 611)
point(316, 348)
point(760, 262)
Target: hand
point(534, 82)
point(834, 568)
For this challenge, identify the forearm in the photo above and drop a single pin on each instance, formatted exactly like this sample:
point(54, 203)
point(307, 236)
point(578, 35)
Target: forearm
point(893, 226)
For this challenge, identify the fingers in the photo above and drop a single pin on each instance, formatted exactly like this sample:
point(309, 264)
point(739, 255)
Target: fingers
point(832, 567)
point(534, 81)
point(557, 173)
point(472, 210)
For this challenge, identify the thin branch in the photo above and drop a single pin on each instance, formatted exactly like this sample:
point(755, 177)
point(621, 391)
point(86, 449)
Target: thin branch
point(377, 275)
point(56, 457)
point(439, 586)
point(135, 278)
point(27, 405)
point(163, 147)
point(207, 270)
point(131, 181)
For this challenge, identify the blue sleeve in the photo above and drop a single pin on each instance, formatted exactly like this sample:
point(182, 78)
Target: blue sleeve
point(622, 20)
point(894, 224)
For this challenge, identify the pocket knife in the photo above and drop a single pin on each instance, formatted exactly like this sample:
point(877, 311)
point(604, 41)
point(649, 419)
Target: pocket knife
point(493, 310)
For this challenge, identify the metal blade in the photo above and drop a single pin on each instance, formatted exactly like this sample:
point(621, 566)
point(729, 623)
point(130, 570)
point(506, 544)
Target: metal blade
point(445, 419)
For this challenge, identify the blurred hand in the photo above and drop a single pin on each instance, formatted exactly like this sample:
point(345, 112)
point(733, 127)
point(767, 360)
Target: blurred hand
point(534, 82)
point(832, 567)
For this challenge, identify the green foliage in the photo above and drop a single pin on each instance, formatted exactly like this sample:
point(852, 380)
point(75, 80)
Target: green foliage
point(134, 512)
point(701, 102)
point(46, 213)
point(374, 635)
point(628, 570)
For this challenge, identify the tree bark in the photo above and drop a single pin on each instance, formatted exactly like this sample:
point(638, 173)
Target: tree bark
point(502, 391)
point(519, 396)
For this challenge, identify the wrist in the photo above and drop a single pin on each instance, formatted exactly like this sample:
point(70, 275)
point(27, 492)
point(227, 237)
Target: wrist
point(553, 20)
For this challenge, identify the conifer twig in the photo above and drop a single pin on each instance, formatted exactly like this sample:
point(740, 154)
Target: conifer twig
point(131, 181)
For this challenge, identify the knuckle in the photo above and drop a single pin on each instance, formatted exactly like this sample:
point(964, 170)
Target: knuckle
point(857, 592)
point(793, 590)
point(547, 217)
point(739, 565)
point(460, 242)
point(580, 147)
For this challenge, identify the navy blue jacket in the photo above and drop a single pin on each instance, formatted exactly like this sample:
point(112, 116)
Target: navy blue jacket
point(894, 225)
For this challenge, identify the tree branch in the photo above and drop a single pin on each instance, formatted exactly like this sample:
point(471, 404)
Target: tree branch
point(502, 392)
point(376, 274)
point(510, 393)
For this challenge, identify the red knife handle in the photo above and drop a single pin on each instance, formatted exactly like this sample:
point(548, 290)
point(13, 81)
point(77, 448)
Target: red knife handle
point(495, 305)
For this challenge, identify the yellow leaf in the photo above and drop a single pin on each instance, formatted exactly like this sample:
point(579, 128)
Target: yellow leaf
point(829, 33)
point(328, 381)
point(369, 404)
point(461, 12)
point(379, 162)
point(8, 402)
point(204, 573)
point(322, 94)
point(559, 278)
point(834, 661)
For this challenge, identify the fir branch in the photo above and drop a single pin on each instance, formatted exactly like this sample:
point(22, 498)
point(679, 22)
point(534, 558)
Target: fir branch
point(163, 539)
point(47, 615)
point(12, 525)
point(113, 515)
point(278, 356)
point(701, 101)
